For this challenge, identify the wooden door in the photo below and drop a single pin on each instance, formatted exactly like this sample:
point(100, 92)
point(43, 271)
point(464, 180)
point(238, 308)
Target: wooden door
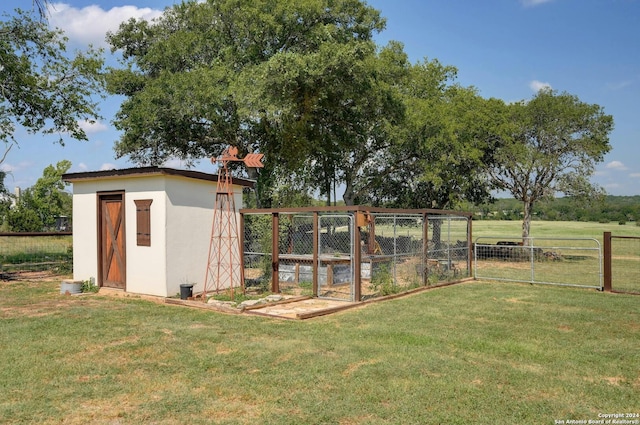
point(112, 241)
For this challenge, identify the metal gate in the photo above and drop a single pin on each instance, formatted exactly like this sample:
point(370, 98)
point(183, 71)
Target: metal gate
point(552, 261)
point(336, 274)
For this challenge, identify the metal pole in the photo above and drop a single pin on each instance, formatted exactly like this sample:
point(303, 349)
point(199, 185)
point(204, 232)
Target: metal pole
point(357, 258)
point(425, 249)
point(275, 253)
point(316, 248)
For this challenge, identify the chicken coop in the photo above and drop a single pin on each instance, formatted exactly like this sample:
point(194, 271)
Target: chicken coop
point(353, 253)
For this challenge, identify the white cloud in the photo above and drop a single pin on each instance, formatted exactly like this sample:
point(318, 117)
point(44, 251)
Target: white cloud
point(536, 86)
point(11, 168)
point(82, 167)
point(616, 165)
point(619, 85)
point(90, 24)
point(90, 128)
point(634, 175)
point(612, 186)
point(174, 163)
point(107, 166)
point(532, 3)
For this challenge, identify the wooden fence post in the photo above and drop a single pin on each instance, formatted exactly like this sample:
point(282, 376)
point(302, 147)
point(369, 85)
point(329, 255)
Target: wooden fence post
point(607, 261)
point(275, 253)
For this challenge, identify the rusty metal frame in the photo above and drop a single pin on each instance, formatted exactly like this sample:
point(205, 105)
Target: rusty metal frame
point(316, 211)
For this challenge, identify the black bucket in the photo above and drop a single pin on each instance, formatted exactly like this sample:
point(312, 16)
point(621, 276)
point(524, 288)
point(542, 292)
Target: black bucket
point(186, 291)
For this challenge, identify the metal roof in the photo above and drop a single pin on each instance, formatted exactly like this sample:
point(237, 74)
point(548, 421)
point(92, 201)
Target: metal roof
point(150, 171)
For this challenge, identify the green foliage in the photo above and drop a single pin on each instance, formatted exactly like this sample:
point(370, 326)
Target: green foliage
point(260, 75)
point(24, 219)
point(382, 280)
point(42, 88)
point(89, 286)
point(567, 208)
point(551, 146)
point(38, 207)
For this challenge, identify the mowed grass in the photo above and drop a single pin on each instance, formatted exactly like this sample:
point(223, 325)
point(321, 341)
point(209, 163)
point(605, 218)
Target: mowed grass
point(553, 229)
point(486, 353)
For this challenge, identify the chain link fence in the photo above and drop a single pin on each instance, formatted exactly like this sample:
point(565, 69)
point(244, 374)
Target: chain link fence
point(353, 255)
point(35, 252)
point(553, 261)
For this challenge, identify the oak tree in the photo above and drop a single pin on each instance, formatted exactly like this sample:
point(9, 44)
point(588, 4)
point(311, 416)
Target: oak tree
point(553, 143)
point(42, 87)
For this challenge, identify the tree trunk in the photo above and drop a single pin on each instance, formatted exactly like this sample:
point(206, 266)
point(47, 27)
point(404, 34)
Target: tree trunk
point(526, 220)
point(436, 235)
point(349, 195)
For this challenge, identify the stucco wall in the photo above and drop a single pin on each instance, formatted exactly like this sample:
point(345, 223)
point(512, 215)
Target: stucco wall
point(189, 218)
point(145, 266)
point(181, 220)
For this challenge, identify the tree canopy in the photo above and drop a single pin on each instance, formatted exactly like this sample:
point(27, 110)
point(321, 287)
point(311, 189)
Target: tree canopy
point(554, 141)
point(304, 83)
point(38, 207)
point(42, 88)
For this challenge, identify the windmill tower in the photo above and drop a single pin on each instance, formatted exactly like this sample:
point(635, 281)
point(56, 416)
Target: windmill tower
point(225, 270)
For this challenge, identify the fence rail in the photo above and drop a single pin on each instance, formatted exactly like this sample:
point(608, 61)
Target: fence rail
point(551, 261)
point(34, 252)
point(621, 263)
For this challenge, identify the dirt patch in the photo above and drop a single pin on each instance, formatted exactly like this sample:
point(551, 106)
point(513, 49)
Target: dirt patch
point(294, 310)
point(355, 366)
point(614, 380)
point(27, 276)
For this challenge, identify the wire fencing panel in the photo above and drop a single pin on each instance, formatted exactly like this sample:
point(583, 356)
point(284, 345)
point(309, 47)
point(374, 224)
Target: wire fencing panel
point(399, 260)
point(625, 264)
point(336, 250)
point(448, 249)
point(554, 261)
point(392, 251)
point(35, 252)
point(257, 251)
point(392, 258)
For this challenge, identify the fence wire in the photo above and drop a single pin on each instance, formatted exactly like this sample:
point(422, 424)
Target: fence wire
point(554, 261)
point(625, 264)
point(393, 255)
point(36, 252)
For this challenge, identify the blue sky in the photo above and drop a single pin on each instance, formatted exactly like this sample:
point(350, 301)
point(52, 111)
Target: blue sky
point(507, 49)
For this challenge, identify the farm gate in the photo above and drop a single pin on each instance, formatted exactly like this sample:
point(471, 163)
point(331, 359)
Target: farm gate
point(552, 261)
point(621, 263)
point(353, 253)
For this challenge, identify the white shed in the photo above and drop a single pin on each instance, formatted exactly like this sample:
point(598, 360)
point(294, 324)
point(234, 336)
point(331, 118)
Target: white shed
point(144, 230)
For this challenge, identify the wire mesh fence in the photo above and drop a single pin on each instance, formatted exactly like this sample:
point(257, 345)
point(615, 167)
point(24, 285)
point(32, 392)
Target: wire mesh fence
point(625, 263)
point(35, 252)
point(554, 261)
point(353, 255)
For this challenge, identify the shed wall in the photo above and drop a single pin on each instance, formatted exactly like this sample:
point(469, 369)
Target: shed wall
point(146, 265)
point(181, 219)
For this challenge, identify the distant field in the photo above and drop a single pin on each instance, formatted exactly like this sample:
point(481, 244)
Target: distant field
point(562, 229)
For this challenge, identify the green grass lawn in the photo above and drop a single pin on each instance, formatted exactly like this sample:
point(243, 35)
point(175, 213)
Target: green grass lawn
point(553, 229)
point(485, 353)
